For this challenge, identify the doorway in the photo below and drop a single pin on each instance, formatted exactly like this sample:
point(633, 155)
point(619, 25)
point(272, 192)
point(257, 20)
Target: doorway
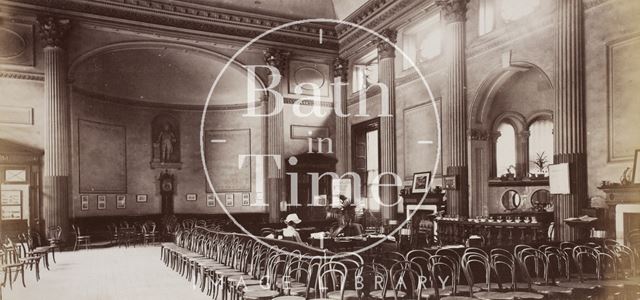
point(366, 163)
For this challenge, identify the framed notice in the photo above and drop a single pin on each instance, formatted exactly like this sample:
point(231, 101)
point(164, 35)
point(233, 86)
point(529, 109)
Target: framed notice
point(192, 197)
point(141, 198)
point(121, 201)
point(246, 199)
point(11, 197)
point(211, 200)
point(102, 202)
point(228, 199)
point(84, 202)
point(559, 179)
point(11, 205)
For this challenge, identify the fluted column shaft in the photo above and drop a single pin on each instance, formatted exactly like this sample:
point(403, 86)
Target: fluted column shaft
point(275, 138)
point(386, 77)
point(454, 12)
point(340, 68)
point(569, 118)
point(57, 131)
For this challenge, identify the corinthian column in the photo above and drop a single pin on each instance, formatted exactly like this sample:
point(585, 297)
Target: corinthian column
point(275, 136)
point(569, 121)
point(453, 12)
point(57, 130)
point(386, 78)
point(340, 68)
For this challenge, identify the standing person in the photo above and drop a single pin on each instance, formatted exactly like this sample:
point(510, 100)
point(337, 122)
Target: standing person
point(291, 233)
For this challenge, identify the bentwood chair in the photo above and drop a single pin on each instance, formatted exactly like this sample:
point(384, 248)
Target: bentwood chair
point(10, 265)
point(80, 239)
point(55, 240)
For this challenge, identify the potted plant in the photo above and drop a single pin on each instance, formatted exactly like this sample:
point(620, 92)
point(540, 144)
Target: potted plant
point(541, 163)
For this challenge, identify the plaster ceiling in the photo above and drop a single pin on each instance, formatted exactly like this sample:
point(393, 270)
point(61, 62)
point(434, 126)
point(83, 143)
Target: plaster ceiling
point(162, 75)
point(343, 8)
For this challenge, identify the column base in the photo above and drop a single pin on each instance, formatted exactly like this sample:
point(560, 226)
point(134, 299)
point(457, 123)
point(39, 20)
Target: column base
point(567, 206)
point(55, 210)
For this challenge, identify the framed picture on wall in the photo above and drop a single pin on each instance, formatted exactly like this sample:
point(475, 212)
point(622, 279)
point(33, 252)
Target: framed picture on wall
point(102, 202)
point(211, 200)
point(84, 202)
point(246, 199)
point(121, 201)
point(420, 182)
point(636, 168)
point(228, 199)
point(141, 198)
point(192, 197)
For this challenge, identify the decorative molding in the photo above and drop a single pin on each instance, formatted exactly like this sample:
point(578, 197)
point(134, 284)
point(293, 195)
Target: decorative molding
point(374, 14)
point(53, 30)
point(615, 155)
point(307, 102)
point(453, 10)
point(156, 105)
point(180, 14)
point(16, 115)
point(22, 75)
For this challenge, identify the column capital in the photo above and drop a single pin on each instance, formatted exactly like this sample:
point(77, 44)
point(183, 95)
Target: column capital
point(341, 68)
point(53, 30)
point(477, 134)
point(525, 134)
point(453, 10)
point(387, 49)
point(277, 58)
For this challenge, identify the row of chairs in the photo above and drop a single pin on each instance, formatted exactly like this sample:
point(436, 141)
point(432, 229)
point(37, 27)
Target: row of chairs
point(29, 252)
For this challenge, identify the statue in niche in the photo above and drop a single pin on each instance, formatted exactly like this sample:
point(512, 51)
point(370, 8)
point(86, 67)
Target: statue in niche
point(165, 137)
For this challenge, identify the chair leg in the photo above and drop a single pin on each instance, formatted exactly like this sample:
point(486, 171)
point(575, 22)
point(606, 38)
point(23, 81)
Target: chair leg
point(22, 275)
point(75, 245)
point(53, 254)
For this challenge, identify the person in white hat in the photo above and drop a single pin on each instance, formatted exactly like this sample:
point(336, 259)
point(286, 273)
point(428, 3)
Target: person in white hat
point(290, 233)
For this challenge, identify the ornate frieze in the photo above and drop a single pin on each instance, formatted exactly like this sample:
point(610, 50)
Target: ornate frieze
point(341, 69)
point(453, 10)
point(22, 75)
point(53, 30)
point(200, 18)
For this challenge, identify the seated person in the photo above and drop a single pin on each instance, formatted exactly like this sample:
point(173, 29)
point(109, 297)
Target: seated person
point(291, 233)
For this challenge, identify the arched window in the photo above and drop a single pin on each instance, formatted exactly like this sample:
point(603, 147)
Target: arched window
point(505, 149)
point(540, 145)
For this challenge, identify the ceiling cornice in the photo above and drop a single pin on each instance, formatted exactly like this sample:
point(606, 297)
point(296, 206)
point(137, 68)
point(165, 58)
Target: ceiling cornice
point(190, 16)
point(376, 15)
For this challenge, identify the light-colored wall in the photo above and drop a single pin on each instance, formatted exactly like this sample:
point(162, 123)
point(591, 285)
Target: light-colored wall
point(607, 25)
point(141, 178)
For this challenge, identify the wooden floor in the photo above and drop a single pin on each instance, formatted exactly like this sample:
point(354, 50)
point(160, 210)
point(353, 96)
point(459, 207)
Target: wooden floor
point(107, 273)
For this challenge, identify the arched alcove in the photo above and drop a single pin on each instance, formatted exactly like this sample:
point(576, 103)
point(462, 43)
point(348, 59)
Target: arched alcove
point(516, 95)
